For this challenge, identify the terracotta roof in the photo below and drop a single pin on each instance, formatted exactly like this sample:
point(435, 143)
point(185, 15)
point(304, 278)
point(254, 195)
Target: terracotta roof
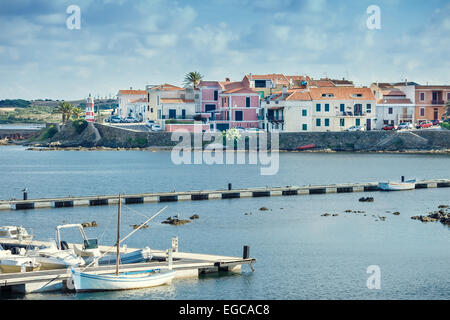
point(240, 90)
point(137, 100)
point(175, 100)
point(393, 92)
point(275, 77)
point(394, 101)
point(321, 83)
point(302, 95)
point(133, 92)
point(167, 87)
point(341, 93)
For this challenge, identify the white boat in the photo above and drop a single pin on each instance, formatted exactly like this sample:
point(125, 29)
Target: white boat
point(52, 257)
point(84, 281)
point(11, 263)
point(88, 281)
point(397, 186)
point(89, 248)
point(14, 232)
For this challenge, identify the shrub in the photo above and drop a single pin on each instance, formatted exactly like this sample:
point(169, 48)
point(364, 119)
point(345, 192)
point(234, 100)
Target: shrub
point(79, 125)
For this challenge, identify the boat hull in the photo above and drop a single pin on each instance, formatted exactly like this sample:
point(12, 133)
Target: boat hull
point(396, 186)
point(125, 281)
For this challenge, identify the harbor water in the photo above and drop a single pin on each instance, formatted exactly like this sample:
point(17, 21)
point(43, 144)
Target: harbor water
point(300, 253)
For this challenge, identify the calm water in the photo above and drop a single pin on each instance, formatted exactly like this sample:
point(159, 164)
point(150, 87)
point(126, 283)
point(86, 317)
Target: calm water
point(301, 255)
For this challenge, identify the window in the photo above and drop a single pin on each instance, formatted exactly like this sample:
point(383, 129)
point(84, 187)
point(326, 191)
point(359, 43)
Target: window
point(390, 110)
point(342, 107)
point(151, 110)
point(172, 113)
point(369, 108)
point(318, 107)
point(238, 115)
point(304, 127)
point(422, 112)
point(327, 122)
point(342, 122)
point(260, 83)
point(157, 100)
point(327, 107)
point(148, 108)
point(358, 122)
point(304, 112)
point(210, 107)
point(448, 96)
point(216, 95)
point(422, 96)
point(183, 113)
point(318, 122)
point(247, 102)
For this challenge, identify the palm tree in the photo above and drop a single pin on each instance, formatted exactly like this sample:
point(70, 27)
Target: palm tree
point(65, 109)
point(77, 112)
point(192, 79)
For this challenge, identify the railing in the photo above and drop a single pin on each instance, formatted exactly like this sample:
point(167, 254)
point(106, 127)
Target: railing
point(274, 119)
point(437, 101)
point(350, 114)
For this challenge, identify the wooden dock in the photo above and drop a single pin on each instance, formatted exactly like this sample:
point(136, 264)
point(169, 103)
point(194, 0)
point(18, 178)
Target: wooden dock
point(201, 195)
point(185, 265)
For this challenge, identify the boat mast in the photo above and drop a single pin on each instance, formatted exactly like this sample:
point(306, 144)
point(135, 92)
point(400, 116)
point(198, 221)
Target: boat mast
point(118, 237)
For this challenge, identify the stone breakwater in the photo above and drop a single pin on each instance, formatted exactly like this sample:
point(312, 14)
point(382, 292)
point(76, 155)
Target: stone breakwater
point(105, 137)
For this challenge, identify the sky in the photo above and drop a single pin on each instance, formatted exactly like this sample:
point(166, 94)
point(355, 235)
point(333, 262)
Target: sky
point(134, 43)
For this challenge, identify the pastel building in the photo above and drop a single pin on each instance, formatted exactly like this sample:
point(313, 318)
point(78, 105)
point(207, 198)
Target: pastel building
point(394, 108)
point(339, 108)
point(169, 104)
point(127, 100)
point(431, 102)
point(227, 104)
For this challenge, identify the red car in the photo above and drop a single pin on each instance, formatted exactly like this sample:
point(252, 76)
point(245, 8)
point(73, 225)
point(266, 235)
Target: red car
point(389, 127)
point(435, 122)
point(424, 124)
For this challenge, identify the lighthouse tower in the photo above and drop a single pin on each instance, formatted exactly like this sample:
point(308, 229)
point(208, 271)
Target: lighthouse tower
point(90, 109)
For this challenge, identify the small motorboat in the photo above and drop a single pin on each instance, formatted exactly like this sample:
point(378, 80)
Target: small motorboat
point(306, 147)
point(89, 248)
point(12, 263)
point(14, 232)
point(51, 257)
point(397, 186)
point(137, 256)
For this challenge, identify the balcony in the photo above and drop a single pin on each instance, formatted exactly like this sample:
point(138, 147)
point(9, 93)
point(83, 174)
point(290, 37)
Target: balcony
point(275, 119)
point(350, 114)
point(437, 101)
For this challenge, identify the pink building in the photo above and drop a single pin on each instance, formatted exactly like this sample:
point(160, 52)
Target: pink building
point(228, 104)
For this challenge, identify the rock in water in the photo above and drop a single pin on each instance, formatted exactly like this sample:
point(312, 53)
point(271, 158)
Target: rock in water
point(195, 216)
point(263, 209)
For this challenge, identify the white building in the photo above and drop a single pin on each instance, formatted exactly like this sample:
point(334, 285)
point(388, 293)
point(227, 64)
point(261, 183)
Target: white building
point(394, 108)
point(130, 102)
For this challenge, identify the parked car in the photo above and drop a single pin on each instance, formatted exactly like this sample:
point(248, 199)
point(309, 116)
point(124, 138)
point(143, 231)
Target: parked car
point(424, 124)
point(355, 128)
point(156, 127)
point(389, 127)
point(131, 120)
point(114, 119)
point(405, 125)
point(436, 122)
point(149, 123)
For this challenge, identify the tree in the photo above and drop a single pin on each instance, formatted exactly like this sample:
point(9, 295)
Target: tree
point(65, 109)
point(192, 79)
point(77, 112)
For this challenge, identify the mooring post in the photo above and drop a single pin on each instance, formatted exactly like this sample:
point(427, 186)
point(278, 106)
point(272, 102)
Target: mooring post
point(25, 194)
point(246, 253)
point(170, 259)
point(229, 186)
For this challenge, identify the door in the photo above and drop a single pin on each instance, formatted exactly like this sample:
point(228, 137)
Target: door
point(435, 114)
point(172, 113)
point(368, 124)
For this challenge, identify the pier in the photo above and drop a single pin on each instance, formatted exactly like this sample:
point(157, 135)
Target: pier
point(230, 193)
point(185, 265)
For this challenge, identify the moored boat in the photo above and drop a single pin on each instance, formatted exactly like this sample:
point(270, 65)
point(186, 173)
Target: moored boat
point(53, 258)
point(88, 281)
point(397, 186)
point(306, 147)
point(11, 263)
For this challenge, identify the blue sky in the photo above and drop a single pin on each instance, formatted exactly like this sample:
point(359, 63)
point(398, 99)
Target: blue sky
point(132, 43)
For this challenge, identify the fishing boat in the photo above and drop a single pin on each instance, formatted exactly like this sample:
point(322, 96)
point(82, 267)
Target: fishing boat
point(11, 263)
point(397, 186)
point(88, 281)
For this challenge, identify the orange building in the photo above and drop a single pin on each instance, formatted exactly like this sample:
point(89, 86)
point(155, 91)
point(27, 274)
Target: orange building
point(430, 102)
